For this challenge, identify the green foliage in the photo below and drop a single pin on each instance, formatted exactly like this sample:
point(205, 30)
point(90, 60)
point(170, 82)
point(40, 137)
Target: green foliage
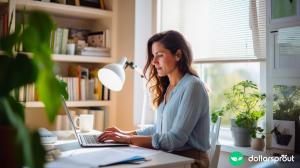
point(215, 114)
point(257, 132)
point(245, 102)
point(286, 105)
point(19, 69)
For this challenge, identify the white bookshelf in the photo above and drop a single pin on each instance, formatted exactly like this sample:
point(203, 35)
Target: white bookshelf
point(80, 58)
point(64, 10)
point(88, 103)
point(77, 17)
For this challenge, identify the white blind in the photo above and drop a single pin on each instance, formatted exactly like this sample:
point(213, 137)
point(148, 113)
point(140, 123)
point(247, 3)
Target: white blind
point(218, 28)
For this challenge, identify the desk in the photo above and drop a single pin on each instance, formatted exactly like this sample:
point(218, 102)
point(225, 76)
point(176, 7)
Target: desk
point(156, 158)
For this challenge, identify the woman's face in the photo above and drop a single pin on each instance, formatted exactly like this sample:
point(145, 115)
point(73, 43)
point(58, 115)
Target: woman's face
point(163, 60)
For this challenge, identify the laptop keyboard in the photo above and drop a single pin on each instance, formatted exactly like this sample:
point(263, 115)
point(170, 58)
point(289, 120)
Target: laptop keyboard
point(90, 139)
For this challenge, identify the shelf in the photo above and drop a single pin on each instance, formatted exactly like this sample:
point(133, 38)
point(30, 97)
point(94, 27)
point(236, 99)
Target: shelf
point(80, 58)
point(88, 103)
point(64, 10)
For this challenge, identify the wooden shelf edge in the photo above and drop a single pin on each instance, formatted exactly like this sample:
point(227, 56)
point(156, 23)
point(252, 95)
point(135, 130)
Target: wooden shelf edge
point(64, 10)
point(80, 58)
point(88, 103)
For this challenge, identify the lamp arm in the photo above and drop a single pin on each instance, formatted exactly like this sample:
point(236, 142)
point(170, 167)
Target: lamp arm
point(135, 68)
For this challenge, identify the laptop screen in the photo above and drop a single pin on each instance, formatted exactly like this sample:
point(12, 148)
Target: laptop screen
point(69, 116)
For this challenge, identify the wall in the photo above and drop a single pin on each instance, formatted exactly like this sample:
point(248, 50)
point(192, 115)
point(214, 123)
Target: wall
point(125, 47)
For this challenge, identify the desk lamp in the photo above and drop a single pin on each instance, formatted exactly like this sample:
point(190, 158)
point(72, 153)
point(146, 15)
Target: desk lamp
point(112, 76)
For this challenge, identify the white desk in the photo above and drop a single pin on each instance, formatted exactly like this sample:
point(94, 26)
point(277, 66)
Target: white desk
point(156, 158)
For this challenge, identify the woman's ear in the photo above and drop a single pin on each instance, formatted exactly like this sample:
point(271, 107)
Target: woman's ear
point(178, 55)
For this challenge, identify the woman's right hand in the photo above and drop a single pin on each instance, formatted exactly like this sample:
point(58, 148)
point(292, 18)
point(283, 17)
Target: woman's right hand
point(116, 129)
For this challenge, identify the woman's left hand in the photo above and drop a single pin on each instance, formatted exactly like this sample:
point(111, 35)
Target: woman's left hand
point(115, 136)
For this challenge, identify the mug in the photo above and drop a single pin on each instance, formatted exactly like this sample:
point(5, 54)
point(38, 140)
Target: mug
point(71, 47)
point(84, 122)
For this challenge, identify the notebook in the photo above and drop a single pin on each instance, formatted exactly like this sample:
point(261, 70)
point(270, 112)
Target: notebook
point(87, 140)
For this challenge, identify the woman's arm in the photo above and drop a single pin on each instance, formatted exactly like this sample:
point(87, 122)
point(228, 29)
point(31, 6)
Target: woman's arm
point(142, 141)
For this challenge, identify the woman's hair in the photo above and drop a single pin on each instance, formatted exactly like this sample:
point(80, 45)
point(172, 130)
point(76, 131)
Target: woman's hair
point(173, 41)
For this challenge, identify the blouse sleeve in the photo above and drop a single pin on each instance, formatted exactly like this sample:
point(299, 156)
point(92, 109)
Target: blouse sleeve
point(147, 131)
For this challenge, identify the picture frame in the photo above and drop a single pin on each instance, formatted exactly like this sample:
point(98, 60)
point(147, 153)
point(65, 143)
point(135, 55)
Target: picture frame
point(283, 135)
point(91, 3)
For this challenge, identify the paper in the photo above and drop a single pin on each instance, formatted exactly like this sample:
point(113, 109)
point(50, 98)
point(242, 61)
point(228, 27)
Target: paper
point(95, 157)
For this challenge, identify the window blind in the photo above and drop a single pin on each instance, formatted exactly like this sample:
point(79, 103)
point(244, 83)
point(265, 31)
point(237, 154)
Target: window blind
point(218, 28)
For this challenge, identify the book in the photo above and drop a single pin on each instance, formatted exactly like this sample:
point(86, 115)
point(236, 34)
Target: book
point(65, 35)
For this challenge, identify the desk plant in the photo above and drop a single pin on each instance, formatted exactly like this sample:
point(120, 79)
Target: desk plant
point(245, 102)
point(19, 146)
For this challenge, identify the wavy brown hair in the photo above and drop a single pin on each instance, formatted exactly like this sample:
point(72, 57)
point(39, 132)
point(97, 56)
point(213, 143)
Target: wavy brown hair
point(173, 41)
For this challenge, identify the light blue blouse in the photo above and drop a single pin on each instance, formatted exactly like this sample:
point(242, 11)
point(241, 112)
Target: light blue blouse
point(183, 122)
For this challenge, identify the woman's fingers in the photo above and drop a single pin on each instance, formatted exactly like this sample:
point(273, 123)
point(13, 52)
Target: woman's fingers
point(104, 134)
point(115, 136)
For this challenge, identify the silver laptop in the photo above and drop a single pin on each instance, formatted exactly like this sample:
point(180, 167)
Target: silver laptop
point(87, 140)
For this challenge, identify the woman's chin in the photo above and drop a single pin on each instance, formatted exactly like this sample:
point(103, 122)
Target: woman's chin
point(161, 75)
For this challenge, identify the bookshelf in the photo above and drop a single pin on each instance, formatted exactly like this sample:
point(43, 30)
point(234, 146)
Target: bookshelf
point(89, 103)
point(64, 10)
point(74, 17)
point(82, 59)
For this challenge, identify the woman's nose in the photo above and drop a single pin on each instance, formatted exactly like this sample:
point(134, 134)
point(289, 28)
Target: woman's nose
point(154, 61)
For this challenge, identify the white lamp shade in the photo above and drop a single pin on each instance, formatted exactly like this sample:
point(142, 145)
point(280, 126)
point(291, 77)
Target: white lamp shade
point(112, 76)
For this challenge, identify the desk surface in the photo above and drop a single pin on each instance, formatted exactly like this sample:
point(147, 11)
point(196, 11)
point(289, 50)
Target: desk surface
point(155, 158)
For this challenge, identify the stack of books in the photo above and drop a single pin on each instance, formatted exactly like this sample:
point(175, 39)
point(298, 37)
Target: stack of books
point(95, 51)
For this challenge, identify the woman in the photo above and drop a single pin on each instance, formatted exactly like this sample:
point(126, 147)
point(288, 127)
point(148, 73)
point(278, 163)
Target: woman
point(182, 125)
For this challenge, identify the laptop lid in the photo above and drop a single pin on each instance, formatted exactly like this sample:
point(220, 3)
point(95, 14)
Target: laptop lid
point(70, 119)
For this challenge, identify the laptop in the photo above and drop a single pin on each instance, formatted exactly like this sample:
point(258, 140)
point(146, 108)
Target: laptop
point(88, 140)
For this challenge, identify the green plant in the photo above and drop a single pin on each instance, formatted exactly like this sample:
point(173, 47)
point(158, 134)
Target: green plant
point(246, 104)
point(286, 105)
point(18, 69)
point(215, 114)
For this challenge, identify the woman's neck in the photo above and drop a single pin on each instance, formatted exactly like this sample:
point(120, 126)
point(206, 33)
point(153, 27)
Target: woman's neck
point(175, 77)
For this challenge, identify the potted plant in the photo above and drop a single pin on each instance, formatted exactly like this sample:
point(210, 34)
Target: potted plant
point(257, 138)
point(20, 146)
point(245, 102)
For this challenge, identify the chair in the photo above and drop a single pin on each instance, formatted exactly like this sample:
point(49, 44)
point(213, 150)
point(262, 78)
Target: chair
point(214, 152)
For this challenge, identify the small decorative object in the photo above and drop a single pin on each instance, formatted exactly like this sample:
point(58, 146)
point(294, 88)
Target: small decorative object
point(283, 134)
point(96, 39)
point(258, 138)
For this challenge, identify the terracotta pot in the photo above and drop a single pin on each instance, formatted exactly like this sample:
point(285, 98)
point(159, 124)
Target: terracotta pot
point(258, 144)
point(9, 153)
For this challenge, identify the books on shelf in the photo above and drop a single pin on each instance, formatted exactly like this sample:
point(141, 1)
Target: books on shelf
point(95, 51)
point(87, 43)
point(82, 85)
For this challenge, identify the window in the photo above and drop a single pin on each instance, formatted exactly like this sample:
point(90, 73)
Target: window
point(222, 76)
point(227, 39)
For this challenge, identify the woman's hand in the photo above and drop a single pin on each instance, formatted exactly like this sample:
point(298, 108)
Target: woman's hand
point(116, 129)
point(115, 136)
